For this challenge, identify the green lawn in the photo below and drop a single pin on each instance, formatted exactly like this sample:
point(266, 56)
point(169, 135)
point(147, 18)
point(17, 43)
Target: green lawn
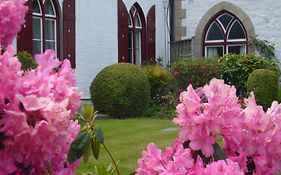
point(127, 138)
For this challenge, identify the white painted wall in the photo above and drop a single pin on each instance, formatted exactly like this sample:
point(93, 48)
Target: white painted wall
point(265, 16)
point(97, 39)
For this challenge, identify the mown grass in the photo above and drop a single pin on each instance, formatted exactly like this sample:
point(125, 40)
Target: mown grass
point(127, 138)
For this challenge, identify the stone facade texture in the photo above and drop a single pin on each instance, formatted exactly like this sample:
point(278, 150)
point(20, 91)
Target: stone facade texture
point(264, 16)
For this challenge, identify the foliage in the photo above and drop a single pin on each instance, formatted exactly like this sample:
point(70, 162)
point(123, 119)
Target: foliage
point(237, 68)
point(121, 90)
point(89, 140)
point(197, 72)
point(12, 14)
point(264, 47)
point(127, 147)
point(279, 93)
point(160, 81)
point(251, 136)
point(165, 110)
point(26, 60)
point(264, 84)
point(101, 169)
point(37, 107)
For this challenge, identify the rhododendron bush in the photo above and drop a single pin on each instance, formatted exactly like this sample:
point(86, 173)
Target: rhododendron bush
point(11, 18)
point(251, 137)
point(36, 106)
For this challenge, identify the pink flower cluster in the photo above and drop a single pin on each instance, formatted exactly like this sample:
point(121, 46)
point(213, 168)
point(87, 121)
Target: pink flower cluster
point(178, 161)
point(12, 14)
point(36, 108)
point(250, 135)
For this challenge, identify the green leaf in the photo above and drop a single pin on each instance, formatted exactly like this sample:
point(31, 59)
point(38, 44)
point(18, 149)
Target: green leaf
point(219, 153)
point(88, 112)
point(95, 148)
point(78, 146)
point(101, 169)
point(87, 154)
point(99, 134)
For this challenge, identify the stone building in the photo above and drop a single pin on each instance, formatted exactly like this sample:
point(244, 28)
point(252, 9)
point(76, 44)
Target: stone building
point(214, 27)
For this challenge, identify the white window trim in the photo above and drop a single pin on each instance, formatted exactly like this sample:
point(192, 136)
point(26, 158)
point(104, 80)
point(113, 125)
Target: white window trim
point(206, 50)
point(132, 48)
point(241, 39)
point(41, 31)
point(54, 10)
point(208, 33)
point(55, 28)
point(245, 51)
point(222, 26)
point(130, 18)
point(139, 47)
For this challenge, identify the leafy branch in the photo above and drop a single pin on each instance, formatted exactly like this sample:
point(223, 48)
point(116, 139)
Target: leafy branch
point(89, 140)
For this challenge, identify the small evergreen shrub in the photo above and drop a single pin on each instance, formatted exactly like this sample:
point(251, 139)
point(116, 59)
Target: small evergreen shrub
point(121, 90)
point(26, 60)
point(197, 71)
point(264, 84)
point(237, 68)
point(160, 81)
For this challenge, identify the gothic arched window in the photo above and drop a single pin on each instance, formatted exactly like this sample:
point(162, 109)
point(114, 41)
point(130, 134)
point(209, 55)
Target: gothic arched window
point(45, 22)
point(225, 34)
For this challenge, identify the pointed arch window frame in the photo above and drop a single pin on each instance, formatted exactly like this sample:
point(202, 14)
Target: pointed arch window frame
point(137, 35)
point(226, 42)
point(44, 17)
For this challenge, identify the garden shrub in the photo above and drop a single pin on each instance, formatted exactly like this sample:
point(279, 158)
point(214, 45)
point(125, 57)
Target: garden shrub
point(196, 72)
point(26, 60)
point(279, 93)
point(264, 84)
point(121, 90)
point(237, 68)
point(160, 81)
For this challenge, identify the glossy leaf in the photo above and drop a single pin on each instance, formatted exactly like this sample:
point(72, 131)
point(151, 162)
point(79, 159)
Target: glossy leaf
point(95, 148)
point(99, 134)
point(78, 146)
point(87, 154)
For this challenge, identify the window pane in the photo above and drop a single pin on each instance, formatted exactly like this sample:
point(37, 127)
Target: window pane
point(129, 21)
point(37, 28)
point(214, 32)
point(225, 20)
point(36, 7)
point(37, 47)
point(49, 8)
point(137, 21)
point(214, 51)
point(236, 31)
point(50, 45)
point(138, 47)
point(50, 29)
point(237, 49)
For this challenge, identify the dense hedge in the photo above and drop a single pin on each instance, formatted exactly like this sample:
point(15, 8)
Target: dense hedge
point(264, 84)
point(160, 81)
point(237, 68)
point(121, 90)
point(197, 72)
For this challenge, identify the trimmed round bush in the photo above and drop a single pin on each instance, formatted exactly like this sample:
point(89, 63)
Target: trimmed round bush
point(264, 84)
point(160, 81)
point(121, 90)
point(26, 60)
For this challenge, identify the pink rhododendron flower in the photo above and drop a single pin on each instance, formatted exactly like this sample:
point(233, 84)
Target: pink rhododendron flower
point(251, 136)
point(36, 119)
point(12, 14)
point(223, 167)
